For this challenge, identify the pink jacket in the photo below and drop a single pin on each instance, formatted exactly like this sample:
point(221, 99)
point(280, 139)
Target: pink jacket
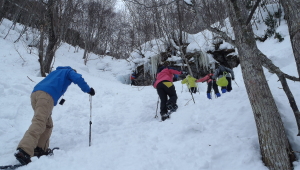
point(206, 78)
point(166, 74)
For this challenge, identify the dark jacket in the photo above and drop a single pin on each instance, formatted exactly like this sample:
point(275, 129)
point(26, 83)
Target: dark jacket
point(219, 72)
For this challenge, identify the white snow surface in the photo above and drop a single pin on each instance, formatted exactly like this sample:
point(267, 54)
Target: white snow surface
point(217, 134)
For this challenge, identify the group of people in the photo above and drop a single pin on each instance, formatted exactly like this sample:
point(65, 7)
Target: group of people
point(46, 94)
point(166, 89)
point(212, 78)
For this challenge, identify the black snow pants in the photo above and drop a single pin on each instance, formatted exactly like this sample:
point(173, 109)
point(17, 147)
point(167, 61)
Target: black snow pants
point(212, 84)
point(166, 89)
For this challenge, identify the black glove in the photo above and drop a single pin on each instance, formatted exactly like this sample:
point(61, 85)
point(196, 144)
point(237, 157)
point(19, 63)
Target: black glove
point(232, 78)
point(92, 92)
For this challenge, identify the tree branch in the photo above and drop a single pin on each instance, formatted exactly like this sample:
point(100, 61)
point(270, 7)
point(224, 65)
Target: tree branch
point(18, 6)
point(212, 29)
point(155, 6)
point(252, 11)
point(222, 34)
point(30, 79)
point(19, 53)
point(267, 63)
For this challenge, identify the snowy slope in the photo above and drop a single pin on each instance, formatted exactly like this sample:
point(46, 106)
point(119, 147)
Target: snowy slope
point(218, 134)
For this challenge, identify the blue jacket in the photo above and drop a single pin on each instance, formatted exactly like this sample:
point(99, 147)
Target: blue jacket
point(57, 82)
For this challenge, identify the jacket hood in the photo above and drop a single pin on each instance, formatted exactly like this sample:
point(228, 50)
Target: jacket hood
point(189, 76)
point(160, 69)
point(222, 68)
point(63, 67)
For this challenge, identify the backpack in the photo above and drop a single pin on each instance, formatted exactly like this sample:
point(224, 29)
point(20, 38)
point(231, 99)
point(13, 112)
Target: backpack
point(222, 81)
point(221, 70)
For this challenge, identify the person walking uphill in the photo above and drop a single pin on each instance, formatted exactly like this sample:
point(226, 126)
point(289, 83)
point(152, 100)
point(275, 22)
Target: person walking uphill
point(165, 88)
point(132, 78)
point(210, 84)
point(190, 82)
point(44, 97)
point(219, 73)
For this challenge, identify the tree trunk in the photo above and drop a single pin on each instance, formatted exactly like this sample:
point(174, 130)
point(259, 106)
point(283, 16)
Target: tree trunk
point(180, 39)
point(292, 14)
point(2, 12)
point(41, 52)
point(86, 52)
point(275, 148)
point(52, 38)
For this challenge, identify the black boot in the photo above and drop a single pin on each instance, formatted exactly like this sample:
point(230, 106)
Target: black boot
point(22, 157)
point(172, 106)
point(164, 116)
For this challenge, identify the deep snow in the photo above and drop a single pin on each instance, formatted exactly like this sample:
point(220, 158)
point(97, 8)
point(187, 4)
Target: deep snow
point(218, 134)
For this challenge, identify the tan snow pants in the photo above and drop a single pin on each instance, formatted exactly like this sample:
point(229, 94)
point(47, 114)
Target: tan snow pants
point(40, 130)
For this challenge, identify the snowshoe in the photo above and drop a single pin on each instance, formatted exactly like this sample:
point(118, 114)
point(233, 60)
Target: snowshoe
point(11, 166)
point(40, 152)
point(164, 117)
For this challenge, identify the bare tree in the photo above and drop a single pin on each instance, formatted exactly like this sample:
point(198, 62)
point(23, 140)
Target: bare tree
point(122, 41)
point(292, 15)
point(94, 26)
point(53, 38)
point(168, 22)
point(58, 19)
point(275, 148)
point(2, 11)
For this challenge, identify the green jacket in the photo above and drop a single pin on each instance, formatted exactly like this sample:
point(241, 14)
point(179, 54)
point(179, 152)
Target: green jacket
point(189, 81)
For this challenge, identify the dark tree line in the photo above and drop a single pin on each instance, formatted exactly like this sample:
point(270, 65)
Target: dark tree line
point(97, 27)
point(94, 26)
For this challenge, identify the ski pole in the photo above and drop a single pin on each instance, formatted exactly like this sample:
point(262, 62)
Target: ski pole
point(193, 97)
point(236, 83)
point(187, 102)
point(198, 88)
point(182, 88)
point(157, 107)
point(90, 133)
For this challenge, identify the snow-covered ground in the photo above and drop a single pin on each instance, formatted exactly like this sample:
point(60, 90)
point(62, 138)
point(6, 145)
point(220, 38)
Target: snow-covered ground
point(218, 134)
